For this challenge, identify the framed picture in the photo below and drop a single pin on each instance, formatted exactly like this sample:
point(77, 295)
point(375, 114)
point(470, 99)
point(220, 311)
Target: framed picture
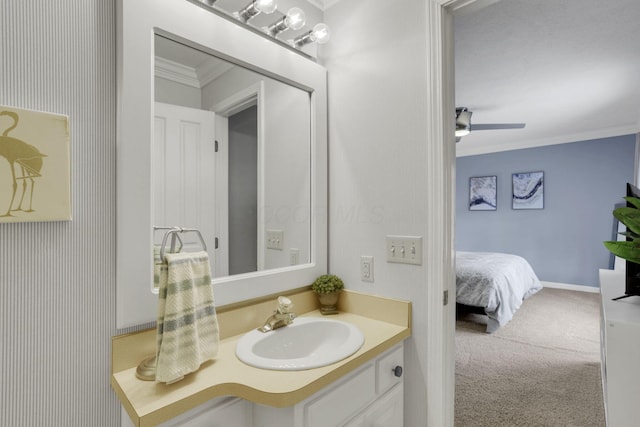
point(35, 179)
point(483, 193)
point(528, 190)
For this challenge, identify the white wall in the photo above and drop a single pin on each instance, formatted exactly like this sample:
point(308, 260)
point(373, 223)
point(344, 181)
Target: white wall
point(378, 151)
point(175, 93)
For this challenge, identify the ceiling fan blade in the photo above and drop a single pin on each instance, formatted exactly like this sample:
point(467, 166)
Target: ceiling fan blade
point(492, 126)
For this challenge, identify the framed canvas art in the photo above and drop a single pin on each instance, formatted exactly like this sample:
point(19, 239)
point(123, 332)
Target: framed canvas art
point(483, 195)
point(35, 182)
point(528, 190)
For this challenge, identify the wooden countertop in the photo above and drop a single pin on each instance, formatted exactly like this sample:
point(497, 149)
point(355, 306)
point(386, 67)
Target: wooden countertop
point(384, 323)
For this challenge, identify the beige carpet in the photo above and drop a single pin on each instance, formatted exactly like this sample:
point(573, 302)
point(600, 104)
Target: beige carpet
point(541, 369)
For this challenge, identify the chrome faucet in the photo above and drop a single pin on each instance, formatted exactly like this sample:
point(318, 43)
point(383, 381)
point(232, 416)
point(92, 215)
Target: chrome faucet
point(281, 317)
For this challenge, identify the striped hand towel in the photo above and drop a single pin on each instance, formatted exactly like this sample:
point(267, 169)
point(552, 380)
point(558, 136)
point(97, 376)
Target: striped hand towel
point(159, 267)
point(187, 331)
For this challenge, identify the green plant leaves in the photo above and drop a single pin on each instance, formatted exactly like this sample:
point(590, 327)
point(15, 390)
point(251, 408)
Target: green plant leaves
point(630, 217)
point(327, 283)
point(625, 250)
point(634, 201)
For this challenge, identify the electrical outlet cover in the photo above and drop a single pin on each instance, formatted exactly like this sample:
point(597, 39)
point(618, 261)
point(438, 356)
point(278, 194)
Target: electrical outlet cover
point(366, 268)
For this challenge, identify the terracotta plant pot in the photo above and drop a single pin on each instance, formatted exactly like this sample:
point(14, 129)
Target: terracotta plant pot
point(328, 302)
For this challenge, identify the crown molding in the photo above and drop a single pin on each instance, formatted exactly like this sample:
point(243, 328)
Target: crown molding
point(192, 77)
point(211, 70)
point(176, 72)
point(317, 3)
point(470, 150)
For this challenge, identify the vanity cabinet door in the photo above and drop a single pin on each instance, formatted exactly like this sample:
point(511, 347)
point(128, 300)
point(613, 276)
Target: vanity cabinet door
point(231, 412)
point(371, 397)
point(387, 411)
point(341, 402)
point(356, 422)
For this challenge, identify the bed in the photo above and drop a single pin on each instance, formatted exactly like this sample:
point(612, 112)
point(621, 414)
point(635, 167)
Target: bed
point(497, 283)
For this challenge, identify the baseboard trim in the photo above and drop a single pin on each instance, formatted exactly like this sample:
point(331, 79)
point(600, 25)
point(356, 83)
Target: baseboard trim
point(579, 288)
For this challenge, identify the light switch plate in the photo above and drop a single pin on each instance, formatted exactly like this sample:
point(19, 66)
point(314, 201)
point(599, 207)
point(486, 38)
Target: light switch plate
point(404, 249)
point(275, 239)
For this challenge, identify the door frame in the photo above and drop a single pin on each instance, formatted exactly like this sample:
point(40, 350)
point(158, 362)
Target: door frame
point(440, 366)
point(241, 100)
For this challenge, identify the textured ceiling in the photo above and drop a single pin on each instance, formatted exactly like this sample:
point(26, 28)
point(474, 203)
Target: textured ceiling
point(569, 69)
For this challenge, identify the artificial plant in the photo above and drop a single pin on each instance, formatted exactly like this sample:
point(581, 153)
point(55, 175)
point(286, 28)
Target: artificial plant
point(328, 283)
point(630, 216)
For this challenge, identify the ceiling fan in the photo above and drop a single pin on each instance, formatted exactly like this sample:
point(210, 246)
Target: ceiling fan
point(464, 126)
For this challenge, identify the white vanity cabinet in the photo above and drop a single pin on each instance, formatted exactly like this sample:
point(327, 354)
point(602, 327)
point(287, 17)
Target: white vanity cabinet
point(363, 389)
point(372, 395)
point(230, 412)
point(220, 412)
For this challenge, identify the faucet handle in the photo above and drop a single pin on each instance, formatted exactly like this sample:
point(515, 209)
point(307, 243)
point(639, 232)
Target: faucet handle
point(284, 304)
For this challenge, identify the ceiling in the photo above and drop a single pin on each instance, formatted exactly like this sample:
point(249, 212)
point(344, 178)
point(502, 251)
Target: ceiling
point(569, 69)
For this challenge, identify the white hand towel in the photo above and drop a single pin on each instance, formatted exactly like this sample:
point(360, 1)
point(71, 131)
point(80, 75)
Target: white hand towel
point(187, 331)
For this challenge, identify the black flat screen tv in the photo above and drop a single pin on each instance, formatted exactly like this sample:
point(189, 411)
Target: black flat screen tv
point(632, 282)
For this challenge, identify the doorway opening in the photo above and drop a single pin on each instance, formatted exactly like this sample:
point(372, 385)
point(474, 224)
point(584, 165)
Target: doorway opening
point(243, 191)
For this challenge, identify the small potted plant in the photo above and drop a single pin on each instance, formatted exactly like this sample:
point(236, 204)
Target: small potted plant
point(328, 287)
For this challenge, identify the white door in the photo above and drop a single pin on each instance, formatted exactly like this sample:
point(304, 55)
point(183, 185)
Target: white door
point(184, 174)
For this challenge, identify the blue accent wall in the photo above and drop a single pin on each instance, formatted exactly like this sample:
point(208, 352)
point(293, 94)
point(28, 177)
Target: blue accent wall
point(562, 242)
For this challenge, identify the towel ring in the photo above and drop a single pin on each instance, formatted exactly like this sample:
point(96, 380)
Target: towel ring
point(173, 238)
point(174, 232)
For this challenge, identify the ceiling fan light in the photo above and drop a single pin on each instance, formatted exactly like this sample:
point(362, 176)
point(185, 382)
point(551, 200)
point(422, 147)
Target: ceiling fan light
point(463, 122)
point(462, 131)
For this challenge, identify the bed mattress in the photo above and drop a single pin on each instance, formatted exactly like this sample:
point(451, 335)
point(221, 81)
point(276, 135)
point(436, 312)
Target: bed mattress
point(497, 282)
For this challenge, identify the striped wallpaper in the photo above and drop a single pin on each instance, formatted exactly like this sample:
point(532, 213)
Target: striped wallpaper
point(57, 279)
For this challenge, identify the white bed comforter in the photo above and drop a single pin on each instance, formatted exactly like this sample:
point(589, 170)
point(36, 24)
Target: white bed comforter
point(496, 281)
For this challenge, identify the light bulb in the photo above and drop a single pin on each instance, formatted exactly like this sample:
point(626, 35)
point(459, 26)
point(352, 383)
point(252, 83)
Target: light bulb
point(320, 33)
point(295, 18)
point(462, 132)
point(266, 6)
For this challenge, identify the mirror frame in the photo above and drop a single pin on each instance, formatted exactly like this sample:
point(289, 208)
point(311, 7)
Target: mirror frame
point(193, 25)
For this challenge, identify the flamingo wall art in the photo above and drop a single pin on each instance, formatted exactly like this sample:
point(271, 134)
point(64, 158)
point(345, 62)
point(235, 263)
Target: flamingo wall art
point(34, 166)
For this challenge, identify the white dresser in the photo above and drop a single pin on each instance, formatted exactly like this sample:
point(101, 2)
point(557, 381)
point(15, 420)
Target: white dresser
point(620, 351)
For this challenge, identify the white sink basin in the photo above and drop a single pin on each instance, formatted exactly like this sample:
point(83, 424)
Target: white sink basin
point(309, 342)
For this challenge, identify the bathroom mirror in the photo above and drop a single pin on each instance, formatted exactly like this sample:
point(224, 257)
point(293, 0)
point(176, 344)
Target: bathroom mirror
point(231, 158)
point(289, 161)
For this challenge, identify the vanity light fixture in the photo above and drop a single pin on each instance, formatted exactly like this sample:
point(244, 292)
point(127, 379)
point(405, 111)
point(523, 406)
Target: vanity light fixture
point(254, 8)
point(319, 34)
point(294, 20)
